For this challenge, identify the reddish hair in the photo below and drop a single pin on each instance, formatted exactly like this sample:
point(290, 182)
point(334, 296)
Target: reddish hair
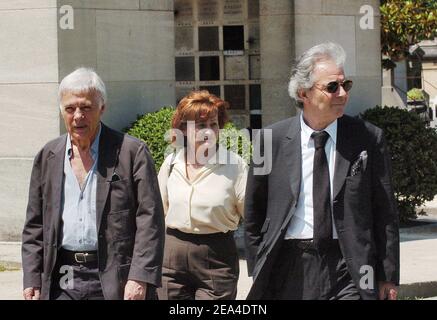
point(199, 105)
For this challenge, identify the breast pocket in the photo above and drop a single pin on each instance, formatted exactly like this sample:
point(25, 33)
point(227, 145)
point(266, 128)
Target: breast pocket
point(358, 193)
point(121, 225)
point(121, 195)
point(354, 183)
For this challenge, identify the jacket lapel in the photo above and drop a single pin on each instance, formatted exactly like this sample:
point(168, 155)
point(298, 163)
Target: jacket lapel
point(55, 182)
point(342, 156)
point(293, 156)
point(108, 155)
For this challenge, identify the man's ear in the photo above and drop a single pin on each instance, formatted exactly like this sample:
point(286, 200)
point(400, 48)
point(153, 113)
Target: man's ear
point(302, 94)
point(102, 108)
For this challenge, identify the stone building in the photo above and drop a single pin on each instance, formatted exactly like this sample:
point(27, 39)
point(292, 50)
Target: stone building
point(429, 68)
point(151, 52)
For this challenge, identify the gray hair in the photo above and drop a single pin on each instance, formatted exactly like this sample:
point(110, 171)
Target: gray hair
point(83, 80)
point(302, 72)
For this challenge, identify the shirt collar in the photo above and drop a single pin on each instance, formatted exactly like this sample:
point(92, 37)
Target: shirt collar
point(94, 145)
point(307, 131)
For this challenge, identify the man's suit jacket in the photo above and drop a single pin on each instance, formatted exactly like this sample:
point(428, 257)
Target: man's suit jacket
point(364, 208)
point(130, 219)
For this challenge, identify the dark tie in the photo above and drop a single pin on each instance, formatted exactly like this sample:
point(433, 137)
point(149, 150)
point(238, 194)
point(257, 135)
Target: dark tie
point(321, 193)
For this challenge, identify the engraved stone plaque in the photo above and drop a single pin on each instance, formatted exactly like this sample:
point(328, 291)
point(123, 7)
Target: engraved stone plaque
point(207, 10)
point(233, 10)
point(235, 68)
point(183, 38)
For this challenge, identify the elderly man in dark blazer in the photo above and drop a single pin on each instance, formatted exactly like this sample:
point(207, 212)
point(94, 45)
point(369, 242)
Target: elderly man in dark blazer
point(322, 223)
point(95, 226)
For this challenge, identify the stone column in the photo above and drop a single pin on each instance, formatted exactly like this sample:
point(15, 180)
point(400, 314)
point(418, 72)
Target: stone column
point(277, 54)
point(28, 85)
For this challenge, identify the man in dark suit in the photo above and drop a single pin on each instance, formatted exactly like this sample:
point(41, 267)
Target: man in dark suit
point(322, 223)
point(95, 225)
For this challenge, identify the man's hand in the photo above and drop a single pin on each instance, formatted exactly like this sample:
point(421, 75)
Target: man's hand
point(387, 291)
point(31, 293)
point(135, 290)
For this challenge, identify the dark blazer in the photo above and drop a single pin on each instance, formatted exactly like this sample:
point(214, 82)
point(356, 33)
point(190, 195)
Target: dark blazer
point(365, 212)
point(130, 219)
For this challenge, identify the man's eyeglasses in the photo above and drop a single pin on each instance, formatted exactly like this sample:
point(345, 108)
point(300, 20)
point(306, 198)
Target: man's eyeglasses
point(333, 86)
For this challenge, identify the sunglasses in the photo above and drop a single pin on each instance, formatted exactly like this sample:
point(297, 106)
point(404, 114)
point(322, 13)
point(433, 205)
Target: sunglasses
point(333, 86)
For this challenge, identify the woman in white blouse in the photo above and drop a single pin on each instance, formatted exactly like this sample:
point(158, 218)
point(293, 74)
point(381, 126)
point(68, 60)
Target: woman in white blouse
point(202, 186)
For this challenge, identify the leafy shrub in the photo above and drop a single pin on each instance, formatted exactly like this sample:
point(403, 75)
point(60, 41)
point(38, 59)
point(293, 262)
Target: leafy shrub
point(415, 94)
point(236, 140)
point(413, 148)
point(152, 128)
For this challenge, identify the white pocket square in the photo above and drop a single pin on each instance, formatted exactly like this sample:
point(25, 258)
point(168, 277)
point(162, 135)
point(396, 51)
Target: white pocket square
point(360, 164)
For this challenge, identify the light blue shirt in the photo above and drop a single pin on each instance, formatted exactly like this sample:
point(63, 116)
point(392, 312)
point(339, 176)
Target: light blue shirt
point(79, 231)
point(302, 223)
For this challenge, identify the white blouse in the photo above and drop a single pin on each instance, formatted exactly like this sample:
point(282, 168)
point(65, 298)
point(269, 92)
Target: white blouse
point(212, 202)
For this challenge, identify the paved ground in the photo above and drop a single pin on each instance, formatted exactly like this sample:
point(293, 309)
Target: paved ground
point(10, 254)
point(418, 263)
point(10, 285)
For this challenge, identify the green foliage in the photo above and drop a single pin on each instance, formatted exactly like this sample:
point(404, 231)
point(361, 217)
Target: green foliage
point(238, 141)
point(153, 128)
point(405, 23)
point(413, 148)
point(415, 94)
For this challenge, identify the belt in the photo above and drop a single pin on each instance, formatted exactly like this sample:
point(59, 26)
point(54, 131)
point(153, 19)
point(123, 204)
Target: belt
point(304, 244)
point(203, 236)
point(76, 257)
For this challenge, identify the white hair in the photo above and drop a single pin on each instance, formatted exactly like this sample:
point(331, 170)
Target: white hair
point(83, 80)
point(302, 72)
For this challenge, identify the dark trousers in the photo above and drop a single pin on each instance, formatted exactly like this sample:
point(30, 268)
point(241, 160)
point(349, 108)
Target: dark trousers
point(203, 267)
point(303, 273)
point(75, 281)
